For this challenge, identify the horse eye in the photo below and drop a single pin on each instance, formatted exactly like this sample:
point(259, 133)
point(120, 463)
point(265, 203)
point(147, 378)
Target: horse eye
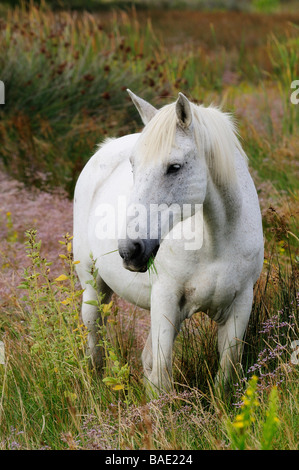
point(173, 168)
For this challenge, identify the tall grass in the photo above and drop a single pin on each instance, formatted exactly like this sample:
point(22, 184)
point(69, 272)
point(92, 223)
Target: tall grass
point(65, 78)
point(51, 397)
point(66, 73)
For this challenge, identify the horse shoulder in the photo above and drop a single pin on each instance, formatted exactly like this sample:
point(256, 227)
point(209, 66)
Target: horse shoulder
point(95, 173)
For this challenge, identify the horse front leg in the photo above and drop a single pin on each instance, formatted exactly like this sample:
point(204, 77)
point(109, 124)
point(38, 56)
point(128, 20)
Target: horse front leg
point(157, 355)
point(230, 338)
point(147, 356)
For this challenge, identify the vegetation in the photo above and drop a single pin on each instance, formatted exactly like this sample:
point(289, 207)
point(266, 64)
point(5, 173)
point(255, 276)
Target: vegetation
point(65, 76)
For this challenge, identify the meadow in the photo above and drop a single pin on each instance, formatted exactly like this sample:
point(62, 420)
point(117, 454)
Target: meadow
point(65, 75)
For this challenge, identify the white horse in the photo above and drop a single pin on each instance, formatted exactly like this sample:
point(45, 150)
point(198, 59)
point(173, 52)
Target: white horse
point(186, 156)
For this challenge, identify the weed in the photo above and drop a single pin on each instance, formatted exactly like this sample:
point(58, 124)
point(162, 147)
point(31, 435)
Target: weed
point(240, 429)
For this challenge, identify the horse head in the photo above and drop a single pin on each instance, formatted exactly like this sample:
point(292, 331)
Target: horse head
point(169, 179)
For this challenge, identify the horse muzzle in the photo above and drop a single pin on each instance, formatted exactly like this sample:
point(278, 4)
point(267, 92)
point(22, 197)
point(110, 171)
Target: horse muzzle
point(137, 253)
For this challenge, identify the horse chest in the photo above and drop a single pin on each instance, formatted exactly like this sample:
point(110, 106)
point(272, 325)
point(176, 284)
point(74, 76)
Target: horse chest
point(211, 291)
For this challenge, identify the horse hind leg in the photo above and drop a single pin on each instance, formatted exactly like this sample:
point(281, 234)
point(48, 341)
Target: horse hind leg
point(92, 319)
point(230, 338)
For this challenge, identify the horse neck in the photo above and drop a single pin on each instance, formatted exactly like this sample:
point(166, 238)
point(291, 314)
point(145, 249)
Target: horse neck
point(221, 212)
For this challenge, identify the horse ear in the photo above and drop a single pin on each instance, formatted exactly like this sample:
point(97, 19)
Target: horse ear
point(146, 110)
point(183, 111)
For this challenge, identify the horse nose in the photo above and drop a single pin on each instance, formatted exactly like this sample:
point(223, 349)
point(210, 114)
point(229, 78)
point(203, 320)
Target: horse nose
point(131, 250)
point(137, 249)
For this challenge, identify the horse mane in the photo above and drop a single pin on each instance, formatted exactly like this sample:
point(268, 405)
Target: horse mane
point(215, 137)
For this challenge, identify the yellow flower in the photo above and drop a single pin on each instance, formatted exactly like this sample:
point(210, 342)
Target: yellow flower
point(63, 277)
point(118, 387)
point(107, 307)
point(72, 396)
point(246, 402)
point(238, 424)
point(239, 417)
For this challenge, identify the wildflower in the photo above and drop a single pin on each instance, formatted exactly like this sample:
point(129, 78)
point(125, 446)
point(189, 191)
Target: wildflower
point(88, 77)
point(239, 417)
point(246, 402)
point(238, 424)
point(106, 95)
point(118, 387)
point(62, 277)
point(106, 308)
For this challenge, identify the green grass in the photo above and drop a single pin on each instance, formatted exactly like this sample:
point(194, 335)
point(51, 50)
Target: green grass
point(52, 398)
point(63, 90)
point(66, 74)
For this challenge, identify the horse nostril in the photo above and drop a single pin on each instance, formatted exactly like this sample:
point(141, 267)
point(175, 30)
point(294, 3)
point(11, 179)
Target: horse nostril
point(137, 249)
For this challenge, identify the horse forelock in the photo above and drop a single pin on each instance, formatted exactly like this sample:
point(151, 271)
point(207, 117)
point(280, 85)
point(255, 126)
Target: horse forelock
point(158, 136)
point(215, 137)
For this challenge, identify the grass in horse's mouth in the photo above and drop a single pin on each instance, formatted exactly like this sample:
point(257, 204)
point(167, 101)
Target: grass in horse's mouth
point(151, 261)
